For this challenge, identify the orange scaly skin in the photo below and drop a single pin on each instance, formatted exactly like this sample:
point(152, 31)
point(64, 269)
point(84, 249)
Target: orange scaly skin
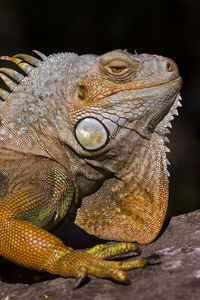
point(84, 136)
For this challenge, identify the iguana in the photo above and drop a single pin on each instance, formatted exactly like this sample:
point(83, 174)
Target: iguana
point(84, 137)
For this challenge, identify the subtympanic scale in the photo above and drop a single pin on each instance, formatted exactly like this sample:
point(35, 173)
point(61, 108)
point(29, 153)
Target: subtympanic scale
point(91, 134)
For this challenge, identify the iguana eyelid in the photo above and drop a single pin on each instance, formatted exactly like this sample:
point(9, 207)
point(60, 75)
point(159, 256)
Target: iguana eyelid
point(116, 70)
point(116, 67)
point(118, 63)
point(119, 69)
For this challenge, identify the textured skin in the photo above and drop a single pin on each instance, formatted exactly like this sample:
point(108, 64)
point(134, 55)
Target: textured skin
point(117, 189)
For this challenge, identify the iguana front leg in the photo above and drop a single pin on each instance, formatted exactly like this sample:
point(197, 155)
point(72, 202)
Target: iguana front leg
point(22, 241)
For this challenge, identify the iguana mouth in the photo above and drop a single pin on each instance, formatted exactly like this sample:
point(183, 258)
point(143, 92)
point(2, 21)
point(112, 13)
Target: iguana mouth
point(146, 85)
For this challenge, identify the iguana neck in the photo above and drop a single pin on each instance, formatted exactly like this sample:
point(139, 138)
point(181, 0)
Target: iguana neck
point(136, 199)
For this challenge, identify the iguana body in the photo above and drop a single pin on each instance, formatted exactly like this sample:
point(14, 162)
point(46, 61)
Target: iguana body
point(87, 133)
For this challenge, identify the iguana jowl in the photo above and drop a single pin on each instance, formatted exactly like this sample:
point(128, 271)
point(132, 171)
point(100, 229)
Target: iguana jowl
point(84, 136)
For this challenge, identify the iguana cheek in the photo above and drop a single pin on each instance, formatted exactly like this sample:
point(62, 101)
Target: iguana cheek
point(91, 134)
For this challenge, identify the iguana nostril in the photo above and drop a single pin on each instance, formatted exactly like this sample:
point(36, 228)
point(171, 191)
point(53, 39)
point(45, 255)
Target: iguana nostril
point(169, 66)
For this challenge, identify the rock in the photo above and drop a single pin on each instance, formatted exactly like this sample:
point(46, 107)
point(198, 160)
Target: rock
point(177, 276)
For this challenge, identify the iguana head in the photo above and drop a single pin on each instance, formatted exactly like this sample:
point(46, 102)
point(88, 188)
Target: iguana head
point(118, 93)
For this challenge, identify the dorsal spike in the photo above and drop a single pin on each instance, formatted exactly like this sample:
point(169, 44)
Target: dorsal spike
point(4, 94)
point(25, 67)
point(22, 65)
point(8, 81)
point(10, 58)
point(40, 54)
point(12, 73)
point(28, 58)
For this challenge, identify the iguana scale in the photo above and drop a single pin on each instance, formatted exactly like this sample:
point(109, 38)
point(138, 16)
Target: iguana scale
point(84, 137)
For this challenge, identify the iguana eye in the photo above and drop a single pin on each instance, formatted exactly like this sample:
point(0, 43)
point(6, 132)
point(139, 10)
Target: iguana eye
point(116, 67)
point(118, 70)
point(91, 134)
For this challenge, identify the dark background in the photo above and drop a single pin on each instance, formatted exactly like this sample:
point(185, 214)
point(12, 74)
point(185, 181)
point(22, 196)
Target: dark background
point(169, 28)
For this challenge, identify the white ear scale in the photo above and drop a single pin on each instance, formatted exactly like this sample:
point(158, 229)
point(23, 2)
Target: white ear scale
point(91, 134)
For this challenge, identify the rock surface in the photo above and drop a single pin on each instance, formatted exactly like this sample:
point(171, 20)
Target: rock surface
point(176, 277)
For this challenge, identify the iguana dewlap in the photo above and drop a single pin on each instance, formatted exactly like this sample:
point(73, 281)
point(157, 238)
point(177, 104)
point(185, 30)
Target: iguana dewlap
point(84, 136)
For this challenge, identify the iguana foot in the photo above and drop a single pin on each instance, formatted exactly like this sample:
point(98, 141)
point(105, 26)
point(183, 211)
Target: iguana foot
point(80, 264)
